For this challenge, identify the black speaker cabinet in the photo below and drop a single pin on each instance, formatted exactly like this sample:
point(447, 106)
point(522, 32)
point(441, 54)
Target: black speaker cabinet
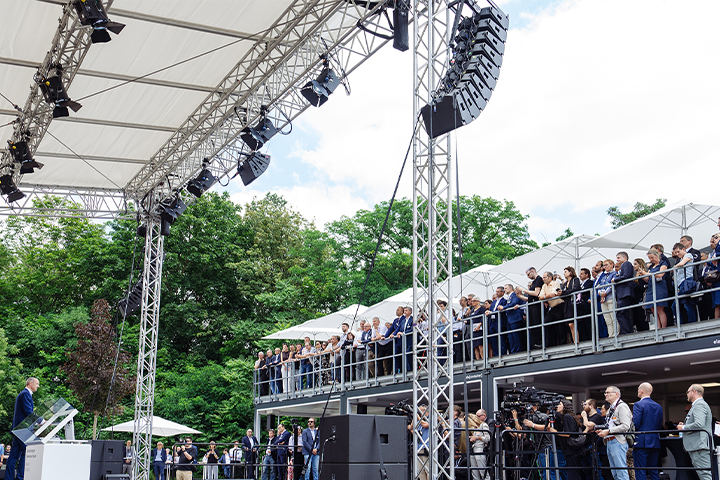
point(100, 470)
point(362, 471)
point(353, 439)
point(107, 451)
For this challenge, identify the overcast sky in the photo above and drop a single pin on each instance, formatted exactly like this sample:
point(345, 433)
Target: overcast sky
point(599, 103)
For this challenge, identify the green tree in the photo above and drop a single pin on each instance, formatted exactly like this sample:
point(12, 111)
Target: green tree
point(618, 219)
point(10, 385)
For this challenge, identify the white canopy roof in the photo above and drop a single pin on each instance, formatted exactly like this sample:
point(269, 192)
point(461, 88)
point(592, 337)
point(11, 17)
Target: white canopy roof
point(160, 427)
point(320, 328)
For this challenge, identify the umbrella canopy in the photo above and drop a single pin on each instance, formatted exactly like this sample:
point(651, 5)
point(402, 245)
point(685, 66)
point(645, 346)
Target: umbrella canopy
point(320, 328)
point(160, 427)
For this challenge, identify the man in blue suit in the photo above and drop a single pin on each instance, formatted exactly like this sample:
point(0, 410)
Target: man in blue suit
point(393, 333)
point(647, 415)
point(250, 448)
point(283, 440)
point(24, 406)
point(405, 329)
point(624, 292)
point(158, 457)
point(514, 315)
point(310, 447)
point(495, 321)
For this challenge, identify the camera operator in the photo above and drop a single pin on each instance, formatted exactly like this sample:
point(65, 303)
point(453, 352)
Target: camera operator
point(524, 443)
point(538, 421)
point(591, 417)
point(567, 422)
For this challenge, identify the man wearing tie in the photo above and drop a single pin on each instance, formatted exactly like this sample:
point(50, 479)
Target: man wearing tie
point(283, 440)
point(647, 416)
point(495, 320)
point(235, 454)
point(24, 406)
point(250, 448)
point(582, 300)
point(405, 330)
point(624, 292)
point(696, 444)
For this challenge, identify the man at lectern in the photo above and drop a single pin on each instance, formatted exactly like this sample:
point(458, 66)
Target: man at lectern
point(24, 406)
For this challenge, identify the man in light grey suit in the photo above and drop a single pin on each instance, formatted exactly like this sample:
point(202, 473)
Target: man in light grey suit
point(697, 443)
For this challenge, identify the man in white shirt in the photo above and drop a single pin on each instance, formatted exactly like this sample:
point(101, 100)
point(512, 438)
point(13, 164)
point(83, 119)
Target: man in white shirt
point(684, 279)
point(618, 422)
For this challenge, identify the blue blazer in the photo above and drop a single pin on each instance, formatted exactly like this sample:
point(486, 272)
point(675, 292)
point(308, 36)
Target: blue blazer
point(513, 316)
point(308, 441)
point(246, 445)
point(406, 325)
point(395, 327)
point(163, 455)
point(647, 415)
point(624, 289)
point(282, 441)
point(24, 406)
point(493, 306)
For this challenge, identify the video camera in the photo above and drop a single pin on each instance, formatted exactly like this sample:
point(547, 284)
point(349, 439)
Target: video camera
point(523, 399)
point(401, 409)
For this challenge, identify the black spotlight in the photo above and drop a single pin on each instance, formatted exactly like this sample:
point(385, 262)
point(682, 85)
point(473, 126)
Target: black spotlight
point(91, 13)
point(202, 183)
point(55, 94)
point(8, 187)
point(401, 40)
point(255, 137)
point(171, 209)
point(472, 75)
point(21, 154)
point(317, 91)
point(254, 165)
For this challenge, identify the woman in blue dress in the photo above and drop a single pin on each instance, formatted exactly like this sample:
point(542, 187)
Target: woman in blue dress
point(656, 285)
point(711, 266)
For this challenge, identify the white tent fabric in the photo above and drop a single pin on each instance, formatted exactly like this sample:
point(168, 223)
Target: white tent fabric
point(320, 328)
point(161, 427)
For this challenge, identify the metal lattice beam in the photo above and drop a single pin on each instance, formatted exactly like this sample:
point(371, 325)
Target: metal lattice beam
point(432, 244)
point(49, 201)
point(147, 349)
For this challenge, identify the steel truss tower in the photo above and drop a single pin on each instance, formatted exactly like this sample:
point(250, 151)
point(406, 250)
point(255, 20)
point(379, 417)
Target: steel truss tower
point(153, 257)
point(432, 243)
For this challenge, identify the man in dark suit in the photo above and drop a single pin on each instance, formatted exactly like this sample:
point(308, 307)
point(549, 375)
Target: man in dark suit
point(696, 443)
point(250, 447)
point(647, 415)
point(283, 440)
point(514, 315)
point(158, 457)
point(582, 300)
point(624, 293)
point(405, 329)
point(24, 406)
point(495, 321)
point(393, 333)
point(310, 447)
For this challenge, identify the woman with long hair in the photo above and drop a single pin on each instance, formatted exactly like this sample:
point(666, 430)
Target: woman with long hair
point(569, 287)
point(656, 287)
point(568, 423)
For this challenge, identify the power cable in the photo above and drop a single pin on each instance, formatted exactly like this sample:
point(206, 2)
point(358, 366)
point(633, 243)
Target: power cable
point(11, 103)
point(81, 158)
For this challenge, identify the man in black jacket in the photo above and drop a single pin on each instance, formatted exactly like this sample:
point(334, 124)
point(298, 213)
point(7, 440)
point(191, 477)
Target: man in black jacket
point(188, 454)
point(624, 293)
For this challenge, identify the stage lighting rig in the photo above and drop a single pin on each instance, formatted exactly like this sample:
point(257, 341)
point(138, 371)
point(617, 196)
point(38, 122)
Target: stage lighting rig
point(21, 154)
point(317, 91)
point(54, 92)
point(472, 75)
point(92, 14)
point(255, 137)
point(254, 165)
point(171, 209)
point(201, 183)
point(8, 187)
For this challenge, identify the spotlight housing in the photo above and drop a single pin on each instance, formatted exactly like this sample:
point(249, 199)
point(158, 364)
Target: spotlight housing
point(171, 209)
point(55, 94)
point(317, 91)
point(254, 165)
point(8, 187)
point(255, 137)
point(21, 154)
point(201, 183)
point(92, 14)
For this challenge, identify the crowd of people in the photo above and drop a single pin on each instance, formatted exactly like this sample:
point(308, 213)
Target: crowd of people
point(553, 309)
point(607, 432)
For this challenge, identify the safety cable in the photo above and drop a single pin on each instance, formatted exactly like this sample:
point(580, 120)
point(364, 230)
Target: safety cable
point(11, 103)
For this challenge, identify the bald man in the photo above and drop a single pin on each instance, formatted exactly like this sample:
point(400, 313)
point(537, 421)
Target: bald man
point(647, 415)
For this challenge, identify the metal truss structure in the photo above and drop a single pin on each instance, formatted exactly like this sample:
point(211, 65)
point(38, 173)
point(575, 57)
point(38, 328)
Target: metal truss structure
point(147, 349)
point(432, 245)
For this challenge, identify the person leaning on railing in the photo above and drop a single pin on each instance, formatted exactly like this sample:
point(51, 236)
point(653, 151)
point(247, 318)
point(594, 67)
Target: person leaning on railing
point(656, 287)
point(713, 267)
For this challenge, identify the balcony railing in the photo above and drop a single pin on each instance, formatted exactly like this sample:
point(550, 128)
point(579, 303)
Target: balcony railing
point(317, 374)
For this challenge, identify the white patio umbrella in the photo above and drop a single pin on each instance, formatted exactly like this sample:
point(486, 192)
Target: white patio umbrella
point(160, 427)
point(320, 328)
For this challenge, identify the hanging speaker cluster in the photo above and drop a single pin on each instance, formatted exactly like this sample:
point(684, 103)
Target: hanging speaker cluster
point(463, 94)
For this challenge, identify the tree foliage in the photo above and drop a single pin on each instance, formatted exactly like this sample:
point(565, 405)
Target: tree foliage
point(618, 219)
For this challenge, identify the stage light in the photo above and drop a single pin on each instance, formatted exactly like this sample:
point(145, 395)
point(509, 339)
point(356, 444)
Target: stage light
point(8, 187)
point(171, 209)
point(255, 137)
point(254, 165)
point(201, 183)
point(463, 93)
point(317, 91)
point(21, 154)
point(91, 13)
point(55, 94)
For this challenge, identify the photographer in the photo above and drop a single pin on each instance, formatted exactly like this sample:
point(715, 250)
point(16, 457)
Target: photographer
point(538, 421)
point(480, 441)
point(568, 423)
point(188, 454)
